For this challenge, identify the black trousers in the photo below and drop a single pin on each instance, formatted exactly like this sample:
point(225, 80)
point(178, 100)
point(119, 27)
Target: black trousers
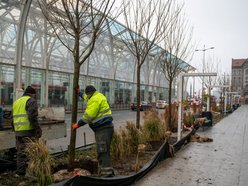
point(103, 138)
point(21, 157)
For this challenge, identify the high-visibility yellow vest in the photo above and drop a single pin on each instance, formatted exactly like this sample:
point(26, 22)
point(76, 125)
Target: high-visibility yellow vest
point(20, 116)
point(97, 108)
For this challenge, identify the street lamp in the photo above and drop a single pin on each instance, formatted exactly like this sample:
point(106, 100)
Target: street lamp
point(203, 64)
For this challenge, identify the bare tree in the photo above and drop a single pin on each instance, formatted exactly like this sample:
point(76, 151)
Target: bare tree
point(143, 21)
point(223, 80)
point(209, 67)
point(177, 45)
point(77, 24)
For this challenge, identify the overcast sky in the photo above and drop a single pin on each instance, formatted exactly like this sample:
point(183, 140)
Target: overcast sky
point(222, 24)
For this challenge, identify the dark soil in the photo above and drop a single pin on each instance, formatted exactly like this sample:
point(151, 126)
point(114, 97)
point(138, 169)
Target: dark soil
point(135, 162)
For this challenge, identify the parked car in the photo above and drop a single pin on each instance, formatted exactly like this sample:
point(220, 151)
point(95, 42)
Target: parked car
point(144, 105)
point(161, 104)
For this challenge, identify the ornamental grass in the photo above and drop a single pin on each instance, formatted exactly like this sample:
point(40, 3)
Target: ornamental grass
point(40, 161)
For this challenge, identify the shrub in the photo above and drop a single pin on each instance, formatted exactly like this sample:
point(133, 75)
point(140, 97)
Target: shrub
point(125, 141)
point(188, 120)
point(116, 146)
point(174, 117)
point(133, 136)
point(153, 128)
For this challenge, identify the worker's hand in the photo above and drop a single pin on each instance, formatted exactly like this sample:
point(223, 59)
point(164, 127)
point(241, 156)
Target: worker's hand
point(81, 94)
point(75, 126)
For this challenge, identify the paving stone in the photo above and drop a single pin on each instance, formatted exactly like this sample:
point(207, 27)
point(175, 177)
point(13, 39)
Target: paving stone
point(223, 162)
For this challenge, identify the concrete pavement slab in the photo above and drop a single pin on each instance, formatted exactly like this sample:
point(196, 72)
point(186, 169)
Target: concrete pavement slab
point(223, 162)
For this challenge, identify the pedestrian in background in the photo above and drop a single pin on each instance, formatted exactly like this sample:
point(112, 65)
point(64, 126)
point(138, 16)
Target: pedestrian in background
point(98, 115)
point(25, 123)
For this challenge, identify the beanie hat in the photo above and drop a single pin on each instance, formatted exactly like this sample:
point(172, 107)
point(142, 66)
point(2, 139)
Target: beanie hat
point(90, 89)
point(29, 90)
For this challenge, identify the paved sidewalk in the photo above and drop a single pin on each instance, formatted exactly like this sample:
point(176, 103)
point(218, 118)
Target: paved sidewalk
point(223, 162)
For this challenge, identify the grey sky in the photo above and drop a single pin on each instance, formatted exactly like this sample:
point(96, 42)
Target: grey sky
point(222, 24)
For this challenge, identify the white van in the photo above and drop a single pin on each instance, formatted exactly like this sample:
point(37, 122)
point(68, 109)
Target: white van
point(161, 104)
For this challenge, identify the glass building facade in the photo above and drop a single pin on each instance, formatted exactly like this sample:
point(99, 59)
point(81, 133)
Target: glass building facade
point(47, 64)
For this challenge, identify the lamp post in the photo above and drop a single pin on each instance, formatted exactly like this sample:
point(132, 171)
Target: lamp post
point(203, 64)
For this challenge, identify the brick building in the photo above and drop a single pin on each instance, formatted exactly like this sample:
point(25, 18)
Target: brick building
point(240, 77)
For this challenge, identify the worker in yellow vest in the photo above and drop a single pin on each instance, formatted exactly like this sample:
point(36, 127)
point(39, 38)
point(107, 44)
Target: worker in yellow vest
point(98, 116)
point(25, 123)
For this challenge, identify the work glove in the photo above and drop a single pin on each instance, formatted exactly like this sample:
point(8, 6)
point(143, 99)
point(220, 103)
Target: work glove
point(80, 123)
point(75, 126)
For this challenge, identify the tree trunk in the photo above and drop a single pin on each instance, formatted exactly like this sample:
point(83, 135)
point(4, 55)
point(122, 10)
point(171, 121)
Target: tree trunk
point(74, 115)
point(170, 105)
point(138, 98)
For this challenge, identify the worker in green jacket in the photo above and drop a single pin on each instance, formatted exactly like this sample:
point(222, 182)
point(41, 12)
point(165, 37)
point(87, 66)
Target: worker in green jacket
point(98, 116)
point(25, 123)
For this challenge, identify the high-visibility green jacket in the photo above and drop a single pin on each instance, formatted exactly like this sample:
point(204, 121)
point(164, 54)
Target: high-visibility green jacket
point(97, 111)
point(20, 116)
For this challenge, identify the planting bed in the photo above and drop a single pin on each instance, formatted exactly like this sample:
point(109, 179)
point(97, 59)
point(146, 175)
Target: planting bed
point(87, 159)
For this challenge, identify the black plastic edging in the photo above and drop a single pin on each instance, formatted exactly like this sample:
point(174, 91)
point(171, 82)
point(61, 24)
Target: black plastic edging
point(161, 154)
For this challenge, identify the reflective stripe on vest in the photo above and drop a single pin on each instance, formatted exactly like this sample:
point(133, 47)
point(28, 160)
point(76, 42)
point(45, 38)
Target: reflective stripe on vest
point(96, 120)
point(99, 116)
point(20, 117)
point(97, 108)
